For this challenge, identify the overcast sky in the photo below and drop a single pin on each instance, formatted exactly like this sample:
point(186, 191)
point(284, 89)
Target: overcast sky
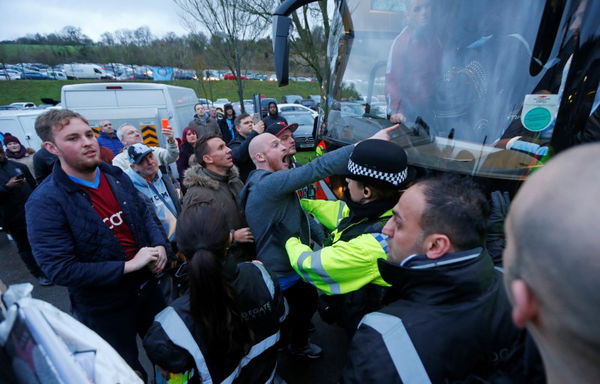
point(21, 17)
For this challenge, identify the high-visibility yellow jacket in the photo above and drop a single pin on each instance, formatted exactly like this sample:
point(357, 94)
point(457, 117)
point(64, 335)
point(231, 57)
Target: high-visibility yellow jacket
point(350, 262)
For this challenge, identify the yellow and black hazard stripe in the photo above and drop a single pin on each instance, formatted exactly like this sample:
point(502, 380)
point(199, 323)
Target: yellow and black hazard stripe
point(149, 135)
point(96, 131)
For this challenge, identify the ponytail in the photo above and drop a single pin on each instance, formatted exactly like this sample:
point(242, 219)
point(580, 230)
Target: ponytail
point(213, 306)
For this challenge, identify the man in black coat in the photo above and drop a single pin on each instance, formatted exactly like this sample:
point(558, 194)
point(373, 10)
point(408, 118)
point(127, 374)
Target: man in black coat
point(273, 116)
point(448, 317)
point(245, 131)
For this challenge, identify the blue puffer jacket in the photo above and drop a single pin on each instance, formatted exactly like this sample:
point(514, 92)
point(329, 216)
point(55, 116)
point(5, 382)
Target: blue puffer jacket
point(76, 249)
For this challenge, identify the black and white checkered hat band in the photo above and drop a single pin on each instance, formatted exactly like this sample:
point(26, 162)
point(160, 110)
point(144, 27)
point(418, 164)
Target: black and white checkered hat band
point(395, 179)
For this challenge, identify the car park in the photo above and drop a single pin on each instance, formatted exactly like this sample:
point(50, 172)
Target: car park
point(297, 108)
point(304, 134)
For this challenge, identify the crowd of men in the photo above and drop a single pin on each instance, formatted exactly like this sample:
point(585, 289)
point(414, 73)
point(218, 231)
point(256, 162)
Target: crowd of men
point(400, 263)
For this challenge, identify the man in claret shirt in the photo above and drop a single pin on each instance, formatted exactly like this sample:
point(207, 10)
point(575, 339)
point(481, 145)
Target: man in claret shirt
point(91, 232)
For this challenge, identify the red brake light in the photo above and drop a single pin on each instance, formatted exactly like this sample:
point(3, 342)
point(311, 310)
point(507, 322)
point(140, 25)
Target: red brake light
point(114, 87)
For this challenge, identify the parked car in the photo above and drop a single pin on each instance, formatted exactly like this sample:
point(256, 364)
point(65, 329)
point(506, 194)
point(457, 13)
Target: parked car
point(349, 108)
point(32, 75)
point(309, 103)
point(220, 103)
point(304, 134)
point(22, 105)
point(57, 75)
point(297, 108)
point(315, 98)
point(264, 105)
point(291, 99)
point(185, 75)
point(205, 102)
point(9, 74)
point(230, 76)
point(248, 106)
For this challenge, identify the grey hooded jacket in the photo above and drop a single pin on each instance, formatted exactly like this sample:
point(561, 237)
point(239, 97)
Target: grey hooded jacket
point(270, 201)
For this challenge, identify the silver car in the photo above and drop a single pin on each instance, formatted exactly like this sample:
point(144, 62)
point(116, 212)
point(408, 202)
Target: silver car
point(304, 134)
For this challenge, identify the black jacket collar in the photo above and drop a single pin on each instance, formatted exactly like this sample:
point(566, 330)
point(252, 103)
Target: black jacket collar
point(453, 278)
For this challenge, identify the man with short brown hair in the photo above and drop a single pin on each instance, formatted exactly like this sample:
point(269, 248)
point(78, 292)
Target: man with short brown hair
point(91, 232)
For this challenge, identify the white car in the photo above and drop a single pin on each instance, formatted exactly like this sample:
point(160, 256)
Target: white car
point(9, 74)
point(296, 108)
point(22, 105)
point(57, 75)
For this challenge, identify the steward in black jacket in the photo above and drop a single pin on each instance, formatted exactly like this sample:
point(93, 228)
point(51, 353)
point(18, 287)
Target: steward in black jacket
point(446, 321)
point(262, 307)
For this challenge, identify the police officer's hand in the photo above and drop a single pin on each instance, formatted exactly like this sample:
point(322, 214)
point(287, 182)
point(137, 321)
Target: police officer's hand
point(243, 235)
point(280, 234)
point(144, 256)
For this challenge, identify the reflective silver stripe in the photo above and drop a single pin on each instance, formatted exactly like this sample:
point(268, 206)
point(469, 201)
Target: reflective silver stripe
point(317, 266)
point(434, 264)
point(286, 310)
point(266, 277)
point(270, 379)
point(499, 269)
point(303, 273)
point(399, 346)
point(382, 240)
point(180, 335)
point(328, 193)
point(256, 350)
point(340, 212)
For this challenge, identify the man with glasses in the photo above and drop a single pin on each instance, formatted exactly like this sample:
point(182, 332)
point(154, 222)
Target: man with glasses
point(108, 138)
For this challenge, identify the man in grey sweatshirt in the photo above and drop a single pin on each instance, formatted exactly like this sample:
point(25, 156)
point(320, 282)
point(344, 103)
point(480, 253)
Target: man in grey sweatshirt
point(271, 203)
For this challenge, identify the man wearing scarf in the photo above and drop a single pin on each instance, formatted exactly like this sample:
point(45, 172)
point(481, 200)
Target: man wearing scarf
point(345, 269)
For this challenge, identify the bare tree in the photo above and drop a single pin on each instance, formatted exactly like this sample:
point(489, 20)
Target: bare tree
point(229, 25)
point(309, 38)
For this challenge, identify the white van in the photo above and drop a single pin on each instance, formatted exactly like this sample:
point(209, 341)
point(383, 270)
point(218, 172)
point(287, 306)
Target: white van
point(21, 124)
point(85, 71)
point(141, 104)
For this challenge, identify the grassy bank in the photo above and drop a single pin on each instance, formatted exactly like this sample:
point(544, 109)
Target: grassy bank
point(34, 90)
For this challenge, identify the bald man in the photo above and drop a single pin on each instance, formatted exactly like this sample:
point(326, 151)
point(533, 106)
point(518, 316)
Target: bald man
point(552, 264)
point(272, 206)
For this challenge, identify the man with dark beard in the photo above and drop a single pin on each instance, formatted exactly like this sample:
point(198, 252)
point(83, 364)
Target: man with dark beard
point(91, 232)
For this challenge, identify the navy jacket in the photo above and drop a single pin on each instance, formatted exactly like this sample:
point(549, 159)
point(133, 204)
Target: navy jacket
point(76, 249)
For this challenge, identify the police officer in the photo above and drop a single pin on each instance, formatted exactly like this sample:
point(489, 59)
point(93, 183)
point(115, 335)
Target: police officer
point(376, 172)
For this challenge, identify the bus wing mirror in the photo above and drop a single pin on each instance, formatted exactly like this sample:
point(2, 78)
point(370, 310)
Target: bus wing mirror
point(281, 47)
